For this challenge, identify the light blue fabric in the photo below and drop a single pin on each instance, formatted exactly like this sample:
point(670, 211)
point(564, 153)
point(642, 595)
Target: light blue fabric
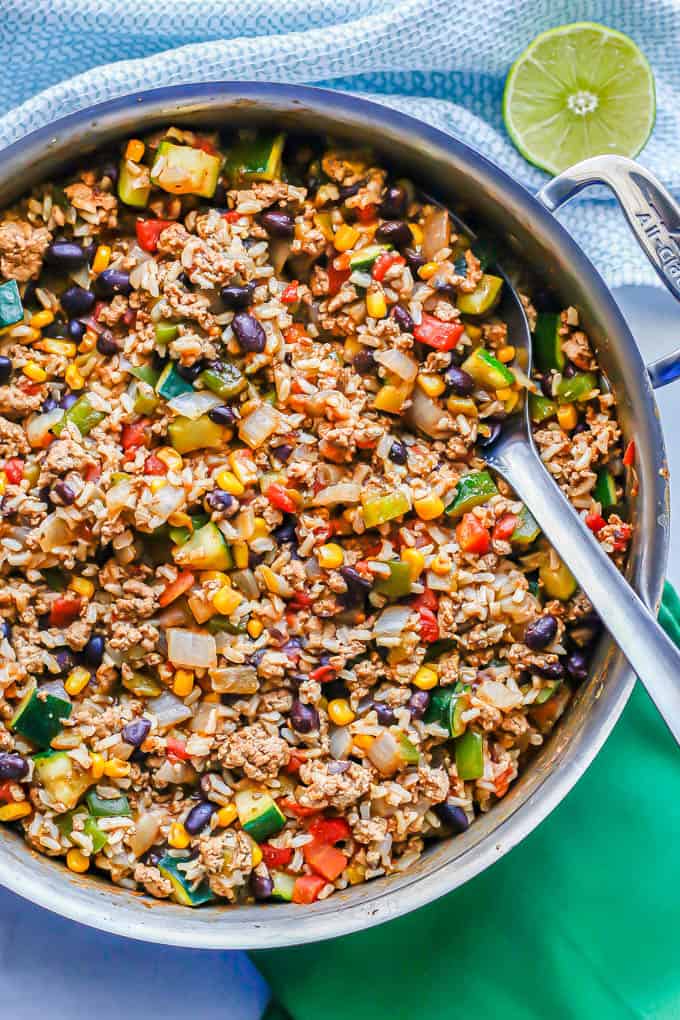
point(443, 61)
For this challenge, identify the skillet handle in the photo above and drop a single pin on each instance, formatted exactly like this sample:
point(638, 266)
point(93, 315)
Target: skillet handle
point(653, 215)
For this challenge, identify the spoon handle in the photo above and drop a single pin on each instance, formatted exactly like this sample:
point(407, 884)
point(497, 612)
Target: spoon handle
point(653, 656)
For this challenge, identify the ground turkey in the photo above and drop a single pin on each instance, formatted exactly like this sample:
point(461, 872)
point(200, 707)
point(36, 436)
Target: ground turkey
point(22, 247)
point(338, 789)
point(258, 752)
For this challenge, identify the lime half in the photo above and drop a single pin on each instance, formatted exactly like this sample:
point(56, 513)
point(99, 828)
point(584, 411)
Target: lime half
point(577, 91)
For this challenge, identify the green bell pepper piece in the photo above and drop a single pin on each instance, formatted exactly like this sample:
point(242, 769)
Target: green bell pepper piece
point(198, 434)
point(55, 579)
point(380, 509)
point(541, 408)
point(227, 381)
point(472, 490)
point(437, 649)
point(547, 693)
point(605, 489)
point(11, 308)
point(578, 388)
point(548, 342)
point(165, 332)
point(483, 298)
point(105, 808)
point(460, 702)
point(526, 530)
point(470, 755)
point(217, 624)
point(145, 401)
point(147, 373)
point(487, 371)
point(82, 415)
point(142, 685)
point(398, 583)
point(90, 828)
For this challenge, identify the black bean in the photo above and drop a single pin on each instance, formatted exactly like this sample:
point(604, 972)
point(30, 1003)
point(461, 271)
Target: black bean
point(304, 718)
point(48, 405)
point(292, 647)
point(286, 531)
point(461, 383)
point(394, 203)
point(569, 370)
point(278, 223)
point(222, 415)
point(452, 816)
point(577, 666)
point(358, 587)
point(249, 332)
point(494, 433)
point(57, 330)
point(5, 630)
point(385, 714)
point(403, 319)
point(5, 370)
point(12, 765)
point(235, 296)
point(185, 280)
point(414, 259)
point(395, 232)
point(65, 659)
point(112, 282)
point(418, 704)
point(349, 190)
point(106, 344)
point(398, 452)
point(93, 652)
point(539, 633)
point(199, 816)
point(551, 670)
point(283, 452)
point(262, 886)
point(363, 362)
point(136, 732)
point(65, 255)
point(190, 372)
point(67, 401)
point(64, 493)
point(154, 856)
point(546, 385)
point(219, 500)
point(76, 331)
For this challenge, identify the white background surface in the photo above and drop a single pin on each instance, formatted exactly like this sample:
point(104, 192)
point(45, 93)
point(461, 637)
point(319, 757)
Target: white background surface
point(56, 968)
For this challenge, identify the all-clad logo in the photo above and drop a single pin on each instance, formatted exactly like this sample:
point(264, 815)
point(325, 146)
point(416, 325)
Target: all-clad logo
point(664, 240)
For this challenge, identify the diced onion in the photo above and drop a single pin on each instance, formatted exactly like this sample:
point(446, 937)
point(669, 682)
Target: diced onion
point(39, 427)
point(384, 753)
point(391, 622)
point(435, 232)
point(176, 772)
point(259, 425)
point(147, 826)
point(118, 495)
point(168, 710)
point(340, 742)
point(194, 405)
point(341, 492)
point(498, 695)
point(398, 362)
point(426, 415)
point(165, 502)
point(245, 581)
point(189, 648)
point(235, 680)
point(205, 720)
point(279, 250)
point(53, 532)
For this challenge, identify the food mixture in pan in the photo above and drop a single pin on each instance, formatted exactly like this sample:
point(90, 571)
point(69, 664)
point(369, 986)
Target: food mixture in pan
point(269, 625)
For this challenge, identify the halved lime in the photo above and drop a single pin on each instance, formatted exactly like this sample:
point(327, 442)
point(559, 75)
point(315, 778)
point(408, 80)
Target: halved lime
point(577, 91)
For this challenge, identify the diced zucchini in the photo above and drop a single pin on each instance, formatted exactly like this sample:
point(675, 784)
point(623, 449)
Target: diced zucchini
point(115, 807)
point(55, 579)
point(11, 308)
point(171, 384)
point(142, 685)
point(460, 702)
point(147, 373)
point(258, 814)
point(436, 649)
point(227, 381)
point(483, 298)
point(380, 509)
point(548, 342)
point(526, 530)
point(398, 583)
point(472, 491)
point(82, 414)
point(366, 257)
point(133, 188)
point(39, 717)
point(145, 400)
point(446, 707)
point(188, 434)
point(487, 371)
point(255, 159)
point(165, 332)
point(605, 490)
point(579, 387)
point(547, 693)
point(61, 777)
point(181, 888)
point(206, 550)
point(541, 408)
point(283, 886)
point(90, 828)
point(183, 170)
point(559, 583)
point(470, 755)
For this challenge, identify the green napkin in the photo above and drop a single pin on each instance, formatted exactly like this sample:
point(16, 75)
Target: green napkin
point(580, 920)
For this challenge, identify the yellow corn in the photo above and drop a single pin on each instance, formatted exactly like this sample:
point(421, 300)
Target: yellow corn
point(230, 483)
point(178, 836)
point(355, 875)
point(431, 384)
point(255, 628)
point(34, 372)
point(474, 332)
point(391, 398)
point(427, 271)
point(74, 379)
point(506, 354)
point(512, 401)
point(101, 259)
point(181, 520)
point(376, 305)
point(77, 861)
point(116, 768)
point(183, 684)
point(41, 319)
point(64, 348)
point(156, 484)
point(363, 741)
point(240, 554)
point(18, 809)
point(216, 575)
point(171, 458)
point(3, 482)
point(243, 466)
point(226, 815)
point(256, 855)
point(428, 507)
point(441, 564)
point(351, 348)
point(340, 713)
point(505, 393)
point(345, 237)
point(415, 560)
point(83, 586)
point(211, 696)
point(226, 600)
point(426, 678)
point(260, 528)
point(97, 762)
point(461, 405)
point(134, 150)
point(567, 416)
point(88, 343)
point(330, 556)
point(77, 681)
point(416, 232)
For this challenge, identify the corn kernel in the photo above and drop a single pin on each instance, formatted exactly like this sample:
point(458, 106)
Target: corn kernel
point(240, 554)
point(211, 696)
point(226, 815)
point(330, 556)
point(340, 713)
point(256, 855)
point(77, 861)
point(62, 348)
point(116, 768)
point(427, 271)
point(171, 458)
point(362, 740)
point(506, 354)
point(429, 507)
point(461, 405)
point(18, 809)
point(101, 259)
point(431, 384)
point(512, 401)
point(426, 678)
point(567, 416)
point(183, 683)
point(226, 600)
point(504, 393)
point(255, 628)
point(178, 836)
point(41, 319)
point(345, 237)
point(260, 528)
point(216, 575)
point(415, 560)
point(97, 762)
point(34, 372)
point(134, 150)
point(355, 875)
point(474, 332)
point(351, 348)
point(83, 586)
point(88, 343)
point(376, 305)
point(156, 484)
point(391, 398)
point(77, 681)
point(74, 379)
point(441, 564)
point(416, 232)
point(3, 482)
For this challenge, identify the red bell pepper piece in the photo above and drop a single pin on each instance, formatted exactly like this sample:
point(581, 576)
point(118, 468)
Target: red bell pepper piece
point(148, 232)
point(172, 591)
point(153, 465)
point(298, 810)
point(595, 522)
point(336, 278)
point(505, 528)
point(330, 830)
point(472, 536)
point(385, 262)
point(134, 435)
point(14, 470)
point(92, 473)
point(622, 536)
point(232, 216)
point(289, 295)
point(295, 761)
point(629, 455)
point(366, 214)
point(307, 888)
point(276, 857)
point(279, 498)
point(426, 600)
point(176, 749)
point(443, 336)
point(326, 860)
point(205, 144)
point(65, 610)
point(322, 674)
point(429, 628)
point(6, 790)
point(300, 600)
